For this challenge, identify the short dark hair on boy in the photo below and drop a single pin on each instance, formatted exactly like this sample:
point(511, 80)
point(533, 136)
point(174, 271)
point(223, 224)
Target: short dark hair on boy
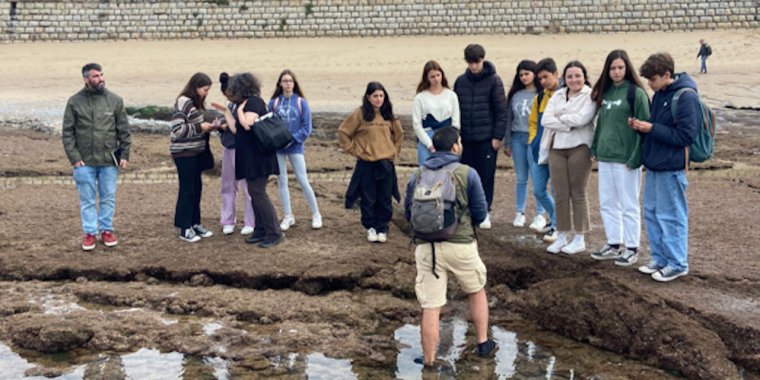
point(90, 66)
point(474, 53)
point(445, 138)
point(658, 64)
point(547, 64)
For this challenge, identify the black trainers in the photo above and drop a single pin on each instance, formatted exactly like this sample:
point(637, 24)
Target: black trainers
point(254, 238)
point(202, 231)
point(486, 348)
point(188, 235)
point(272, 243)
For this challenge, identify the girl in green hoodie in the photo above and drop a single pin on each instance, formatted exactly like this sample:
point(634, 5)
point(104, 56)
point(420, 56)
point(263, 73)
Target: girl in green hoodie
point(619, 97)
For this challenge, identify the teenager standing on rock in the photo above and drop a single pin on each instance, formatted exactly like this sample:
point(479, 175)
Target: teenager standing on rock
point(189, 149)
point(619, 96)
point(483, 109)
point(568, 133)
point(520, 98)
point(435, 107)
point(97, 142)
point(373, 135)
point(288, 102)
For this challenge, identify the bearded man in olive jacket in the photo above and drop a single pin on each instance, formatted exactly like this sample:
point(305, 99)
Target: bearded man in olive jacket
point(97, 143)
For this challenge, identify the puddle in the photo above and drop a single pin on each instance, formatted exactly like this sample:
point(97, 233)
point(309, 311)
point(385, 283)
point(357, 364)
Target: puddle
point(318, 366)
point(55, 305)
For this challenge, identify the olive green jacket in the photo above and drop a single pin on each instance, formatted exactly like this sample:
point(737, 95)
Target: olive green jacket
point(94, 125)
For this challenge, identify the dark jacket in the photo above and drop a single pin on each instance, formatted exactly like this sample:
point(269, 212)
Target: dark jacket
point(94, 125)
point(250, 161)
point(476, 198)
point(664, 147)
point(482, 104)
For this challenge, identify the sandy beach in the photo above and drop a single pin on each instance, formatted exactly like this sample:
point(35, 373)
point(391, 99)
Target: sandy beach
point(39, 77)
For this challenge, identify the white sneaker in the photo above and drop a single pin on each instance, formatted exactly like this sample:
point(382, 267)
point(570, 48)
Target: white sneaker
point(519, 220)
point(576, 246)
point(228, 229)
point(371, 235)
point(316, 221)
point(382, 237)
point(486, 224)
point(550, 236)
point(538, 223)
point(558, 244)
point(287, 221)
point(247, 230)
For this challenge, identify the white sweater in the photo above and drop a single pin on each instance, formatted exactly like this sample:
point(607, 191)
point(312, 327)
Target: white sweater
point(572, 121)
point(442, 106)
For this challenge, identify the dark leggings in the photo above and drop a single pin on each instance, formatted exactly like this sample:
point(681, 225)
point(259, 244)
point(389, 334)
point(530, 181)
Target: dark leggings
point(188, 210)
point(263, 210)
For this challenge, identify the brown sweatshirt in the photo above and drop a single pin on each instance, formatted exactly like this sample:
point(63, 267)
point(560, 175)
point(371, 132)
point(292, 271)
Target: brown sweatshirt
point(372, 141)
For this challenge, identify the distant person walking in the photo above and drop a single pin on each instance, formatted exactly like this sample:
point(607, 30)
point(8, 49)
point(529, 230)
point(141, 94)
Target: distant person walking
point(97, 143)
point(435, 107)
point(619, 96)
point(190, 151)
point(665, 155)
point(525, 86)
point(229, 184)
point(289, 103)
point(705, 51)
point(373, 135)
point(483, 112)
point(568, 134)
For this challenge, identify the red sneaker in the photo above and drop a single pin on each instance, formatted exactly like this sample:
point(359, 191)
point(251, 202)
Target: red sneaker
point(88, 243)
point(109, 239)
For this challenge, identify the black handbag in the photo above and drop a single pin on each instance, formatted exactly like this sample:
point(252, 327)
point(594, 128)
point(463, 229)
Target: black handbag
point(271, 133)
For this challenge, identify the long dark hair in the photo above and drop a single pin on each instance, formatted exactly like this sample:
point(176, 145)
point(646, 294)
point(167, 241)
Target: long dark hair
point(196, 81)
point(368, 110)
point(424, 82)
point(605, 82)
point(278, 88)
point(518, 85)
point(243, 86)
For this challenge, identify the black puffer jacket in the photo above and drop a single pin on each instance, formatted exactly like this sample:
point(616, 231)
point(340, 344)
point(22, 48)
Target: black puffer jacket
point(482, 103)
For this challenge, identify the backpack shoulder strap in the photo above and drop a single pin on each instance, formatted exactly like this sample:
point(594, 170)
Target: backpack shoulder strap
point(676, 97)
point(300, 105)
point(276, 102)
point(540, 98)
point(631, 97)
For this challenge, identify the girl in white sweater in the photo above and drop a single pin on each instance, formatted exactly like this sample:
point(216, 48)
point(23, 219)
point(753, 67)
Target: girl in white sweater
point(435, 107)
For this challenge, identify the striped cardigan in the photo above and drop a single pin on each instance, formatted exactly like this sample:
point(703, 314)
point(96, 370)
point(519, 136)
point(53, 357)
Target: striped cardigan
point(187, 137)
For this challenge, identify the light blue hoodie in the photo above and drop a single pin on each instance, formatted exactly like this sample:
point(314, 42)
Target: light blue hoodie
point(298, 120)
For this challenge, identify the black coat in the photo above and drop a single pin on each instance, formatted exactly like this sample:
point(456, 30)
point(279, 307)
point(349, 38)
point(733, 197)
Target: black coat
point(250, 162)
point(482, 104)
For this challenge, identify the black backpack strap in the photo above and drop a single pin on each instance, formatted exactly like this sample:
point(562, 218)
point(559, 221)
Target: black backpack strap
point(631, 96)
point(538, 101)
point(432, 246)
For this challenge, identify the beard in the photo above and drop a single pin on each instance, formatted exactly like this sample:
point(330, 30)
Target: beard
point(99, 87)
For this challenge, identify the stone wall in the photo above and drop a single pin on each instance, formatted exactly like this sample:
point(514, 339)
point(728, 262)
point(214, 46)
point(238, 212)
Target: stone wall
point(77, 20)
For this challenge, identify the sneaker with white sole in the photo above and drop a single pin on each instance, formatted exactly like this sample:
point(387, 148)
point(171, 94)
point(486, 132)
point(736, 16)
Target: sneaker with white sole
point(627, 259)
point(188, 235)
point(519, 221)
point(486, 224)
point(550, 235)
point(287, 221)
point(607, 252)
point(247, 230)
point(538, 223)
point(650, 267)
point(202, 231)
point(316, 221)
point(371, 235)
point(560, 242)
point(576, 246)
point(382, 237)
point(668, 274)
point(228, 229)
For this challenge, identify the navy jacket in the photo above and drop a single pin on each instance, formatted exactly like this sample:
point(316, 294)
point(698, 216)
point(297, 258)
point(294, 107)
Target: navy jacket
point(664, 147)
point(476, 198)
point(482, 104)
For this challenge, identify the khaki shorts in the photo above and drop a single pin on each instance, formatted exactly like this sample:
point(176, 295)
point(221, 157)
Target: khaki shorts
point(461, 260)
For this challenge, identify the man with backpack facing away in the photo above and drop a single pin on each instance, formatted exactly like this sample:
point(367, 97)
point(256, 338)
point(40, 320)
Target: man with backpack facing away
point(704, 51)
point(665, 154)
point(444, 201)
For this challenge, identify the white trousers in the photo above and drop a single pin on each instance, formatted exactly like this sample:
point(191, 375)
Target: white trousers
point(619, 189)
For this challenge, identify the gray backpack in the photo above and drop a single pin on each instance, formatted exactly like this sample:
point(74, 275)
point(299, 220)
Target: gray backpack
point(434, 211)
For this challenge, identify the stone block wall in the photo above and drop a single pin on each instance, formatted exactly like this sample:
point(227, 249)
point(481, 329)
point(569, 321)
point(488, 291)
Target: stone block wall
point(78, 20)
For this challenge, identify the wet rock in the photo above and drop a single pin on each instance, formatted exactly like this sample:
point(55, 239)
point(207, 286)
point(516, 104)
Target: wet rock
point(110, 367)
point(256, 363)
point(44, 372)
point(201, 279)
point(50, 335)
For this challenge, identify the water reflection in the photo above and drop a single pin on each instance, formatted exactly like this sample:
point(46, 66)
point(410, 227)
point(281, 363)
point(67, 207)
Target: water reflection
point(149, 364)
point(318, 367)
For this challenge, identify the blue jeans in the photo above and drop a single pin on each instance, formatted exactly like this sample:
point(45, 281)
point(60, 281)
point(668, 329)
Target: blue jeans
point(666, 215)
point(540, 174)
point(422, 151)
point(703, 67)
point(298, 163)
point(521, 160)
point(91, 181)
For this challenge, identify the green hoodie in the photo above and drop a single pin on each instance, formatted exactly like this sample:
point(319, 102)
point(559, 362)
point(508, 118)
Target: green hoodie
point(614, 140)
point(94, 125)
